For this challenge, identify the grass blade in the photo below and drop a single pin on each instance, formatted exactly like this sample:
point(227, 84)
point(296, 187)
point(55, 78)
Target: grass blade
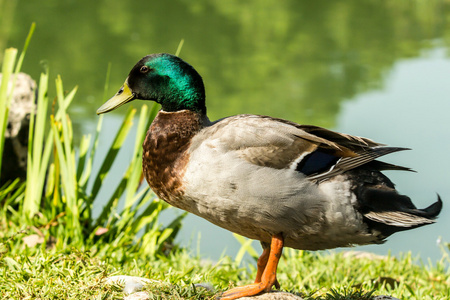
point(25, 48)
point(246, 247)
point(114, 149)
point(8, 66)
point(36, 166)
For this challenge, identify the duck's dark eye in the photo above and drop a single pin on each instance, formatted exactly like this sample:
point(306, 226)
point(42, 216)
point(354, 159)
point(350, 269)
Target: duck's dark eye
point(144, 69)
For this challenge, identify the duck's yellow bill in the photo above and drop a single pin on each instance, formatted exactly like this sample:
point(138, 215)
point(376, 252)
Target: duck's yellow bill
point(123, 96)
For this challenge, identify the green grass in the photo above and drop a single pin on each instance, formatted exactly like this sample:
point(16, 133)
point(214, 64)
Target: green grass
point(36, 273)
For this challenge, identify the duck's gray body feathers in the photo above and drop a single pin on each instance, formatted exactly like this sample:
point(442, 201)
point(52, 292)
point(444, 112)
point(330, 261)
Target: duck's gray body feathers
point(243, 176)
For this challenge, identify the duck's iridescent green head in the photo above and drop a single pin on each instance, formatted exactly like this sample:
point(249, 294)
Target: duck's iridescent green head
point(163, 78)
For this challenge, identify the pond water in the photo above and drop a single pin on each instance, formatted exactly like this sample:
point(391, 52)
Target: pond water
point(378, 69)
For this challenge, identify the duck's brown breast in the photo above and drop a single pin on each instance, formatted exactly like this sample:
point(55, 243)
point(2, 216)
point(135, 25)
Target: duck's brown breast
point(165, 154)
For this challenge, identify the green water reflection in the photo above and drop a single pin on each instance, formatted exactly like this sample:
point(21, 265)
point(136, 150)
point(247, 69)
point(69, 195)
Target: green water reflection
point(292, 59)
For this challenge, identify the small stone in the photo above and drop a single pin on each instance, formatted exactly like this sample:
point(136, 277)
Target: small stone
point(137, 296)
point(364, 255)
point(207, 286)
point(101, 231)
point(33, 240)
point(385, 298)
point(132, 284)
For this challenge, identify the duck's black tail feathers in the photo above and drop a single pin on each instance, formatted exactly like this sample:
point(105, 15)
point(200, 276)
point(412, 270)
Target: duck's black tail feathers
point(387, 211)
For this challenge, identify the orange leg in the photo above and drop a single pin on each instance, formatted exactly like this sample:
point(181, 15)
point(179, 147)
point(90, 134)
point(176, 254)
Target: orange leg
point(267, 262)
point(261, 264)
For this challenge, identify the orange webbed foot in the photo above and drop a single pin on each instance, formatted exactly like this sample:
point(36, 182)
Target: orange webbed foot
point(244, 291)
point(266, 277)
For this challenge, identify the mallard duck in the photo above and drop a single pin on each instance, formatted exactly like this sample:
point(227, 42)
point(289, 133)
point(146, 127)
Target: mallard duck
point(268, 179)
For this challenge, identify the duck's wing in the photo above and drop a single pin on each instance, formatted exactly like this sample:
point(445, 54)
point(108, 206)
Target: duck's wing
point(316, 152)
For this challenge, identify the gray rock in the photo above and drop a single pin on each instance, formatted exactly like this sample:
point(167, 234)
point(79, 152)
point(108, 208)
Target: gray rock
point(274, 295)
point(385, 298)
point(16, 135)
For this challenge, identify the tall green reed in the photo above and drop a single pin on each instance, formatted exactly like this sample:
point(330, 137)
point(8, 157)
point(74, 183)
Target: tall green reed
point(7, 69)
point(62, 190)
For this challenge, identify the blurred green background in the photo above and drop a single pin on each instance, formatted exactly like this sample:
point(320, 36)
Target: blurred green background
point(373, 68)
